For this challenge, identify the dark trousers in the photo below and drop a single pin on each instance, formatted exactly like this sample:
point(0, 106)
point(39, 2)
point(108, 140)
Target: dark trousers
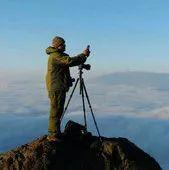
point(57, 101)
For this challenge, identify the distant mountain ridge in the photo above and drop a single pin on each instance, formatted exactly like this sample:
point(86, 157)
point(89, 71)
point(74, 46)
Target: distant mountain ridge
point(159, 80)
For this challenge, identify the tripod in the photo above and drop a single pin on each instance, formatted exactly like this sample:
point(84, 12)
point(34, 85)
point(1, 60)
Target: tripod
point(82, 92)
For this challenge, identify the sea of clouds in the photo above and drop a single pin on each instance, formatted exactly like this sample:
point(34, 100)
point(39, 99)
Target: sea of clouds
point(134, 105)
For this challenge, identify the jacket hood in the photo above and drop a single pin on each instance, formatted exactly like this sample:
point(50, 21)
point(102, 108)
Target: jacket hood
point(50, 50)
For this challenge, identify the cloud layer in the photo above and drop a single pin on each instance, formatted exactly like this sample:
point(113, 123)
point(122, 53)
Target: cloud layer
point(110, 94)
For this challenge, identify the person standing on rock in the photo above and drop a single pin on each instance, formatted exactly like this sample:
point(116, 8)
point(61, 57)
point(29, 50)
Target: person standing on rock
point(58, 81)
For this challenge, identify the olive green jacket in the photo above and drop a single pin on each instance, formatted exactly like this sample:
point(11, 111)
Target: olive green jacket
point(58, 73)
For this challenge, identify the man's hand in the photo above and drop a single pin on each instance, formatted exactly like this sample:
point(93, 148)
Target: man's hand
point(86, 52)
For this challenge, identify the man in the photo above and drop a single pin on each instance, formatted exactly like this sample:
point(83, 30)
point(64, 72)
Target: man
point(58, 81)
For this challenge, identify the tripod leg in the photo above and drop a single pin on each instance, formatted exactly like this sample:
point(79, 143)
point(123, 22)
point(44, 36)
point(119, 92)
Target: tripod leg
point(69, 99)
point(83, 84)
point(84, 110)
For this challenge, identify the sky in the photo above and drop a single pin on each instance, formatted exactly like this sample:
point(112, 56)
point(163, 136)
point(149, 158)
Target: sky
point(124, 35)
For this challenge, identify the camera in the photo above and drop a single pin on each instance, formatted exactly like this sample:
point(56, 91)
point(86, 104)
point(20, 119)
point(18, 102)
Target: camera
point(85, 66)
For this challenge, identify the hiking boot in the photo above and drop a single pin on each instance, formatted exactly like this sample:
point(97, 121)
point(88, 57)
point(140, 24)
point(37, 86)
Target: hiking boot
point(51, 138)
point(54, 137)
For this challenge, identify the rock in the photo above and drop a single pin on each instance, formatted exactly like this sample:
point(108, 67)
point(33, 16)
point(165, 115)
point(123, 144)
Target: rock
point(78, 150)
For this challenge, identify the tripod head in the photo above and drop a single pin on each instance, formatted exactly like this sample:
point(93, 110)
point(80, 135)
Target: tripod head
point(84, 66)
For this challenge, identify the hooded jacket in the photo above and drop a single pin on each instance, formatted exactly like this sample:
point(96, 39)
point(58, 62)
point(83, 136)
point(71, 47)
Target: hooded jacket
point(58, 73)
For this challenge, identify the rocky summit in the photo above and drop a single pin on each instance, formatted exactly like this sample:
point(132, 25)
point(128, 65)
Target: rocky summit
point(78, 150)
